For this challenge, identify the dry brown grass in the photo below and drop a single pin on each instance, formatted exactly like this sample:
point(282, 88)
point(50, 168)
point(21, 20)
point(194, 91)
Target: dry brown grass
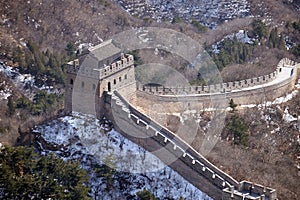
point(270, 158)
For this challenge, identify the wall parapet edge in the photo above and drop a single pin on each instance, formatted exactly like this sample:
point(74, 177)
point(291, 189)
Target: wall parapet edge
point(227, 185)
point(220, 87)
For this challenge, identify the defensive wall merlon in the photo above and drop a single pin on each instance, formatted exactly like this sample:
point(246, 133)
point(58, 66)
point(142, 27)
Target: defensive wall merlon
point(125, 61)
point(221, 87)
point(228, 187)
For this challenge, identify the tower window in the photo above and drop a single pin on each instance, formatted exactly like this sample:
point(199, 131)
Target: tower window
point(109, 86)
point(120, 79)
point(125, 77)
point(82, 84)
point(94, 86)
point(115, 82)
point(71, 81)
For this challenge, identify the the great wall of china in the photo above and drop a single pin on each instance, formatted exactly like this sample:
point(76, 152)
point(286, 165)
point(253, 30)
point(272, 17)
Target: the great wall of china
point(211, 180)
point(219, 185)
point(96, 84)
point(243, 92)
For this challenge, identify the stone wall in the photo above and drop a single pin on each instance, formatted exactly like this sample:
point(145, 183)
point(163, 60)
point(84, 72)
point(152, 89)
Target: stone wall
point(120, 76)
point(86, 83)
point(125, 61)
point(242, 92)
point(101, 85)
point(153, 136)
point(216, 88)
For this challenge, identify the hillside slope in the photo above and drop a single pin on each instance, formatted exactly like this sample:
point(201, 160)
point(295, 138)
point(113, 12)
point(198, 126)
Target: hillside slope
point(54, 23)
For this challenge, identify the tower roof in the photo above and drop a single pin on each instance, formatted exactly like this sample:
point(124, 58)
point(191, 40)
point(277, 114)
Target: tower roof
point(105, 50)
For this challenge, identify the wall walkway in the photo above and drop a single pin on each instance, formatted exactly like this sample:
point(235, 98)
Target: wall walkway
point(189, 163)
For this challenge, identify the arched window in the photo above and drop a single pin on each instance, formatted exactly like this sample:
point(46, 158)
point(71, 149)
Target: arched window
point(120, 79)
point(71, 81)
point(115, 82)
point(125, 77)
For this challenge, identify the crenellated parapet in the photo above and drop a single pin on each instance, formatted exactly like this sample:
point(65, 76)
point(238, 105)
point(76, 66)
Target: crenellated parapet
point(254, 191)
point(125, 61)
point(73, 67)
point(286, 62)
point(285, 75)
point(216, 88)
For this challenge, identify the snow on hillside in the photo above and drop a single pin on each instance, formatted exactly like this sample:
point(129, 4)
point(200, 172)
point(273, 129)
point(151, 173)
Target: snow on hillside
point(241, 36)
point(84, 138)
point(25, 82)
point(287, 117)
point(277, 101)
point(208, 12)
point(5, 91)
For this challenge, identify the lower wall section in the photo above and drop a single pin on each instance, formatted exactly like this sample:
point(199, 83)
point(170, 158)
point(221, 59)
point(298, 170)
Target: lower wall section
point(120, 120)
point(178, 155)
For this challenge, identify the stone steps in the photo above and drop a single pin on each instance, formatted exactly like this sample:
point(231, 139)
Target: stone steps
point(120, 103)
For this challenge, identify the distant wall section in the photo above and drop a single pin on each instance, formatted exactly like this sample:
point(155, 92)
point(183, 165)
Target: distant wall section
point(249, 91)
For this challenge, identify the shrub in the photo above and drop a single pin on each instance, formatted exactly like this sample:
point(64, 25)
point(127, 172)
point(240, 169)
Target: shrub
point(238, 127)
point(201, 28)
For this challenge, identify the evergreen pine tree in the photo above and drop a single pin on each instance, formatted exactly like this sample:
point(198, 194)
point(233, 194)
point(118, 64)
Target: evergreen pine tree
point(11, 105)
point(26, 175)
point(232, 105)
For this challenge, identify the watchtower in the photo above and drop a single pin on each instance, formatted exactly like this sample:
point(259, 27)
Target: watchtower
point(99, 70)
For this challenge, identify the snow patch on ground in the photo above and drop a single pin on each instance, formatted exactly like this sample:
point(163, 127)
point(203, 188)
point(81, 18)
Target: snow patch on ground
point(287, 117)
point(83, 46)
point(24, 82)
point(277, 101)
point(82, 137)
point(5, 91)
point(242, 36)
